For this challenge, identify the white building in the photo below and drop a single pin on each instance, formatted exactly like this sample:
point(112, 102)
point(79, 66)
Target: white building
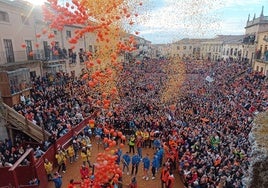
point(233, 47)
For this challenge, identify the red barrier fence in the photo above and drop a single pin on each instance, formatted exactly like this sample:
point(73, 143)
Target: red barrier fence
point(23, 174)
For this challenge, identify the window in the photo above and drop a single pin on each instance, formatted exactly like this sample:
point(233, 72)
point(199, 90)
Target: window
point(9, 50)
point(231, 51)
point(90, 48)
point(25, 20)
point(29, 49)
point(46, 49)
point(235, 52)
point(261, 70)
point(4, 16)
point(178, 47)
point(184, 47)
point(19, 80)
point(257, 68)
point(95, 49)
point(55, 32)
point(68, 34)
point(190, 47)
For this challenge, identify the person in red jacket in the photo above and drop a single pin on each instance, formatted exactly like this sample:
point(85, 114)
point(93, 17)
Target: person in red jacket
point(164, 176)
point(71, 184)
point(171, 181)
point(84, 172)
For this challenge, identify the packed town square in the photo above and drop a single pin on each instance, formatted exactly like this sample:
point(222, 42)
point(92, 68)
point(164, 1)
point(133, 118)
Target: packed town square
point(99, 107)
point(201, 139)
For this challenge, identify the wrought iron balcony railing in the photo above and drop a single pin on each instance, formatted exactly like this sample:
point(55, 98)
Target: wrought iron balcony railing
point(23, 56)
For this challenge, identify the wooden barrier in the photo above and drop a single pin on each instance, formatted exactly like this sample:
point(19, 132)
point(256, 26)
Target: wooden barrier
point(16, 176)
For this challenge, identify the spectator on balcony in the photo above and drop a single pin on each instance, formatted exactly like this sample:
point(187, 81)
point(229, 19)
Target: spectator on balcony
point(38, 152)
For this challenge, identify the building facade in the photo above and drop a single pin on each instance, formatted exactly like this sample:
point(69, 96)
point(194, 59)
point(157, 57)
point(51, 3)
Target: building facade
point(253, 28)
point(261, 58)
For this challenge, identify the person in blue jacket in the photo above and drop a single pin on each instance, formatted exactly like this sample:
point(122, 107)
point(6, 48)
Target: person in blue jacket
point(118, 153)
point(157, 143)
point(57, 179)
point(155, 165)
point(126, 161)
point(146, 167)
point(160, 154)
point(98, 132)
point(135, 163)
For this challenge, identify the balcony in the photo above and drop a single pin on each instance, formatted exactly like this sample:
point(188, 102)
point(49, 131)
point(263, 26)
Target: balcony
point(261, 57)
point(261, 61)
point(21, 57)
point(249, 39)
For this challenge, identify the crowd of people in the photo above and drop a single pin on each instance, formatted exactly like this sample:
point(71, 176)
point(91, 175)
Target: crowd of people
point(203, 137)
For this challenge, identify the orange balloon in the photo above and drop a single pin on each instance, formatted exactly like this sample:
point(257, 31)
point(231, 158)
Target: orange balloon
point(91, 84)
point(104, 94)
point(44, 31)
point(98, 61)
point(172, 107)
point(111, 144)
point(114, 134)
point(105, 139)
point(119, 133)
point(38, 35)
point(106, 106)
point(109, 114)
